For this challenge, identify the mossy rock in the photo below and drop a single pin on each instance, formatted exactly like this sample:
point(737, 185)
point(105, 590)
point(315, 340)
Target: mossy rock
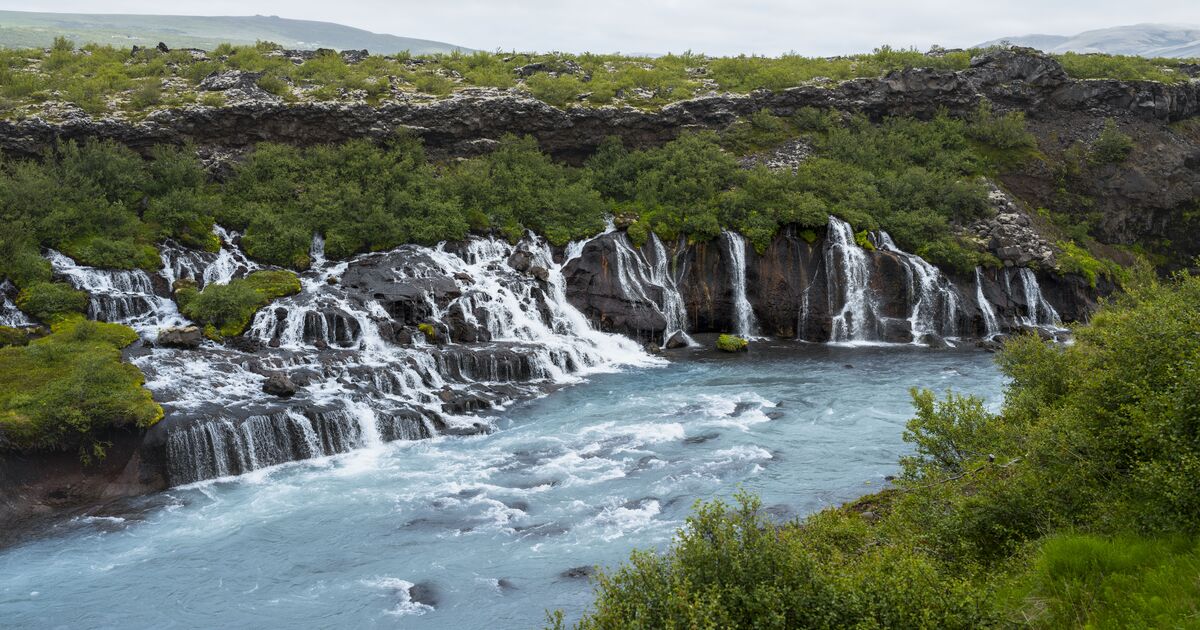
point(225, 310)
point(51, 301)
point(431, 333)
point(10, 336)
point(67, 389)
point(732, 343)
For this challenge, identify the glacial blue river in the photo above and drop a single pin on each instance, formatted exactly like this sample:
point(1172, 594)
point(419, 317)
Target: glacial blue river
point(488, 525)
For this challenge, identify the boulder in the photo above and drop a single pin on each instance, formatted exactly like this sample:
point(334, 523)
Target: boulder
point(677, 341)
point(278, 384)
point(180, 337)
point(540, 272)
point(521, 260)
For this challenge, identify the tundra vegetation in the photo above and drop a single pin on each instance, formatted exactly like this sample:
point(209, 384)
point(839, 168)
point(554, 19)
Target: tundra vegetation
point(1075, 504)
point(103, 80)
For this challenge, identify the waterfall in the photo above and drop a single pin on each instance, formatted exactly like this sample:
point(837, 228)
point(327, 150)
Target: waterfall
point(204, 268)
point(635, 274)
point(1039, 312)
point(848, 275)
point(10, 315)
point(991, 323)
point(934, 302)
point(364, 388)
point(119, 296)
point(744, 321)
point(673, 308)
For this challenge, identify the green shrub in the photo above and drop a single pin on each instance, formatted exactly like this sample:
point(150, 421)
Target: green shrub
point(732, 343)
point(228, 308)
point(1005, 132)
point(274, 85)
point(1074, 259)
point(1111, 146)
point(51, 301)
point(1097, 582)
point(556, 90)
point(10, 336)
point(730, 567)
point(68, 389)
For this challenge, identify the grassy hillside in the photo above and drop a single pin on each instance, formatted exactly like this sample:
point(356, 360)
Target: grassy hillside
point(20, 29)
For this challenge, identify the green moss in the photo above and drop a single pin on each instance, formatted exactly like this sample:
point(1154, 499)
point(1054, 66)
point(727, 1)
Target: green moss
point(732, 343)
point(10, 336)
point(225, 310)
point(105, 252)
point(429, 331)
point(1074, 259)
point(66, 390)
point(51, 301)
point(863, 238)
point(809, 235)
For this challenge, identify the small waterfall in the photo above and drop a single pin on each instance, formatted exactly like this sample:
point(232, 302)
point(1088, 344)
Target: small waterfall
point(119, 296)
point(673, 308)
point(991, 323)
point(934, 302)
point(1039, 312)
point(204, 268)
point(745, 323)
point(848, 274)
point(10, 315)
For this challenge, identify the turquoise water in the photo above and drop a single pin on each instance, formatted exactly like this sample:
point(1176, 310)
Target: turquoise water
point(487, 525)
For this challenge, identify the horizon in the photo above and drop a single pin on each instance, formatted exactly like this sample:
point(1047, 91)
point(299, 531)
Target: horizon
point(710, 30)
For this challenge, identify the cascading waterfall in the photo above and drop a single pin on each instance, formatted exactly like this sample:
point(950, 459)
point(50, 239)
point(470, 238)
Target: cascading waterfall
point(991, 323)
point(204, 268)
point(10, 315)
point(673, 307)
point(848, 274)
point(362, 388)
point(119, 296)
point(635, 273)
point(933, 307)
point(1039, 311)
point(745, 322)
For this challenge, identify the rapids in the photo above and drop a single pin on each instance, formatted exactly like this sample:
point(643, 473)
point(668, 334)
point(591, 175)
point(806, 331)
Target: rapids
point(489, 526)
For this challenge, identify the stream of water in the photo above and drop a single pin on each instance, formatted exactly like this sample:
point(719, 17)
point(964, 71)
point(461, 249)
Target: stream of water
point(488, 525)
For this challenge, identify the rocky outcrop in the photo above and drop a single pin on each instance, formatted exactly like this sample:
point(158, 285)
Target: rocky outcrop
point(1019, 79)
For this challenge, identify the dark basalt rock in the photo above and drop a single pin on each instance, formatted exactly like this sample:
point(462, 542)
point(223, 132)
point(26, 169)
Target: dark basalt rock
point(579, 573)
point(677, 341)
point(425, 593)
point(183, 337)
point(279, 385)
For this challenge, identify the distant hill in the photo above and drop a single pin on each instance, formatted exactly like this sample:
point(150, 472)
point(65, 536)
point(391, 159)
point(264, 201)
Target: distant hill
point(1145, 40)
point(27, 29)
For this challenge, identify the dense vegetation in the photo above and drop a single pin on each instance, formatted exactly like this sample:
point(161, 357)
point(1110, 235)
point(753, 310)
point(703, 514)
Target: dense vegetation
point(105, 206)
point(225, 310)
point(107, 80)
point(66, 390)
point(1077, 504)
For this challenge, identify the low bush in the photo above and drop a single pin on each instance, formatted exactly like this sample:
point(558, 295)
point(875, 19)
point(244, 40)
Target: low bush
point(51, 301)
point(66, 390)
point(228, 308)
point(731, 343)
point(1111, 146)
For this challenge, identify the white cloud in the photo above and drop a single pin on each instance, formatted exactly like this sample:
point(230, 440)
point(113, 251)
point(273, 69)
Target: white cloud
point(826, 27)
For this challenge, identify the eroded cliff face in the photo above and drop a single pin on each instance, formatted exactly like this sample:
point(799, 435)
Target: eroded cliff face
point(820, 291)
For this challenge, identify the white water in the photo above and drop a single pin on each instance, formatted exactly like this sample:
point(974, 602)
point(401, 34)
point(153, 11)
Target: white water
point(362, 388)
point(673, 308)
point(745, 322)
point(933, 305)
point(119, 296)
point(10, 315)
point(848, 274)
point(1039, 312)
point(990, 322)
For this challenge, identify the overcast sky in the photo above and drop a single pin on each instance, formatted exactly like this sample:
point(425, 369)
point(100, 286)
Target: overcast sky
point(712, 26)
